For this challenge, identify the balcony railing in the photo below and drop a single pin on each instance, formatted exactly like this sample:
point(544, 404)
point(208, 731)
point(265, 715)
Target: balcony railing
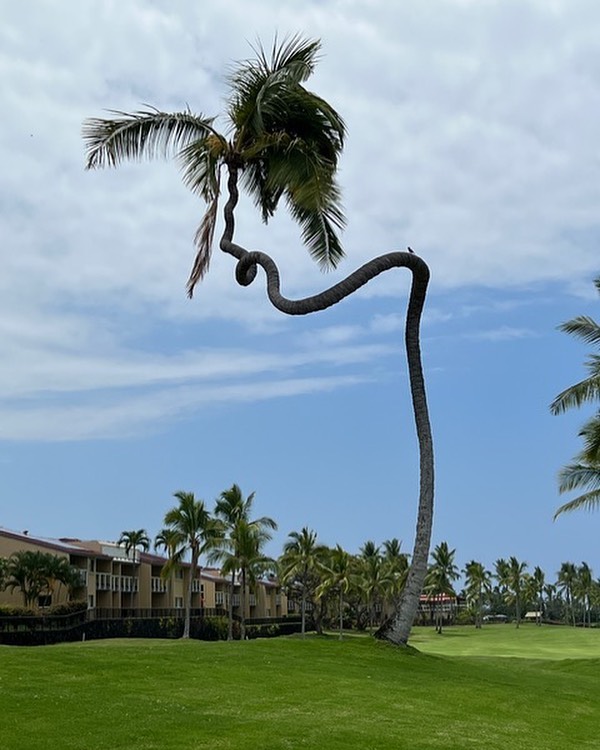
point(159, 586)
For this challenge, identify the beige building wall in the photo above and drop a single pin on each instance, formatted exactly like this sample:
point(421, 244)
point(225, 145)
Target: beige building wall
point(113, 580)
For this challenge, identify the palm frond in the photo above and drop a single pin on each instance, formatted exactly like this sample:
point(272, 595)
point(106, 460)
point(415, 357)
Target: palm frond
point(583, 327)
point(319, 235)
point(148, 133)
point(203, 240)
point(590, 432)
point(583, 392)
point(577, 476)
point(589, 501)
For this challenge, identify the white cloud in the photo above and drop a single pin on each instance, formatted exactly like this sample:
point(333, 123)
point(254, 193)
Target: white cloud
point(124, 416)
point(468, 139)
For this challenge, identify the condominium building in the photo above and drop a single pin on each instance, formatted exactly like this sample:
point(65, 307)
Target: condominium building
point(112, 579)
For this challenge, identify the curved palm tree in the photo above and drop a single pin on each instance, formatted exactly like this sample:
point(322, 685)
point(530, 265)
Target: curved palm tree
point(132, 541)
point(284, 142)
point(197, 533)
point(234, 512)
point(302, 563)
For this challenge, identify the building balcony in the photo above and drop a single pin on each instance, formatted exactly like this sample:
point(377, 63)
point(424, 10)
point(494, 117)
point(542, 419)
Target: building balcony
point(159, 586)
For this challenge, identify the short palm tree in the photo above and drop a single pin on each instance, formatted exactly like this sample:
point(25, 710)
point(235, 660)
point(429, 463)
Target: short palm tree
point(302, 564)
point(234, 512)
point(197, 532)
point(283, 142)
point(27, 571)
point(132, 541)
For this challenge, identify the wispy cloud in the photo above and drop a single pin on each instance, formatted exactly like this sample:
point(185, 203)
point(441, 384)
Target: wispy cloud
point(503, 333)
point(122, 416)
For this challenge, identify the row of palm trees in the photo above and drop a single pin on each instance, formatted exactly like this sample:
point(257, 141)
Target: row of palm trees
point(228, 536)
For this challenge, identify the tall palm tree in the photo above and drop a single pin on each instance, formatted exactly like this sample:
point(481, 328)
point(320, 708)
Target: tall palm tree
point(538, 584)
point(583, 588)
point(168, 540)
point(478, 584)
point(284, 142)
point(234, 512)
point(251, 561)
point(440, 578)
point(511, 577)
point(374, 577)
point(396, 565)
point(338, 576)
point(567, 576)
point(302, 563)
point(584, 473)
point(198, 532)
point(132, 541)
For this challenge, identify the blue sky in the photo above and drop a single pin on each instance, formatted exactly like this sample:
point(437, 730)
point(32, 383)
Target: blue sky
point(472, 137)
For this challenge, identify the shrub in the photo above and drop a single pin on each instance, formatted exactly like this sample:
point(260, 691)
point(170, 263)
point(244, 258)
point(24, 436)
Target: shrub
point(68, 608)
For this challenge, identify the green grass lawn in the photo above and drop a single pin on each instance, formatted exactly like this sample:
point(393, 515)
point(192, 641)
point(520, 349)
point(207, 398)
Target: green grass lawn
point(458, 691)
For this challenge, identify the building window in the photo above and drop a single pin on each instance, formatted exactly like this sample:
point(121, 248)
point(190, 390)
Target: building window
point(179, 602)
point(44, 600)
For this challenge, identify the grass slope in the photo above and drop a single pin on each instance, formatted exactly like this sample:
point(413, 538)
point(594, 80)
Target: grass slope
point(458, 691)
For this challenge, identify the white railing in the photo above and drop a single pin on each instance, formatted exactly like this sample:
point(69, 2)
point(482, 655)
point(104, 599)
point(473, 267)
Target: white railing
point(220, 600)
point(197, 587)
point(159, 586)
point(103, 581)
point(252, 600)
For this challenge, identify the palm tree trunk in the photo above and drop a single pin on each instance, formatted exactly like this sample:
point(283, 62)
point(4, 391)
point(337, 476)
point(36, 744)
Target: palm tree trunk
point(303, 611)
point(397, 630)
point(243, 606)
point(230, 608)
point(188, 595)
point(341, 613)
